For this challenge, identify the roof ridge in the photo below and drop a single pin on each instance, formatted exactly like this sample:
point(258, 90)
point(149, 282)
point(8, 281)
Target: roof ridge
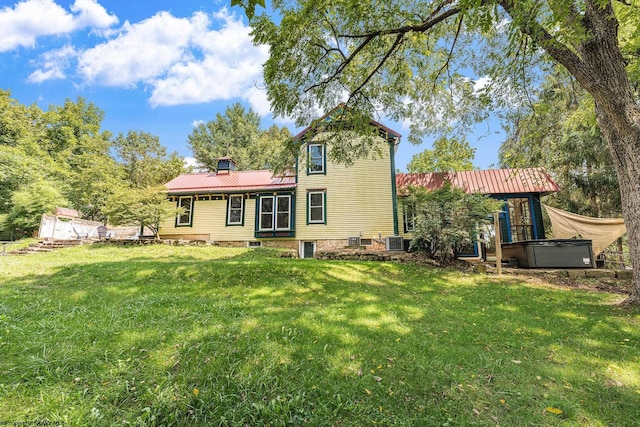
point(476, 170)
point(490, 181)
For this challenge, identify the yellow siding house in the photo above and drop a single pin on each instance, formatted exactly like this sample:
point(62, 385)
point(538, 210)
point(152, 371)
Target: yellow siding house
point(322, 205)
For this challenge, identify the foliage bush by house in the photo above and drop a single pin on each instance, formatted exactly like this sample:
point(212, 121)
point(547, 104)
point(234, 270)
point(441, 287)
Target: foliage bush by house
point(448, 220)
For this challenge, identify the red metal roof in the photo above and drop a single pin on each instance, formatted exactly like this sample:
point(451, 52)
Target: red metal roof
point(229, 182)
point(494, 181)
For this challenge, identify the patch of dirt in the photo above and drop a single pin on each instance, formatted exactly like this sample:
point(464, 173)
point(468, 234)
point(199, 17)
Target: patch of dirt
point(600, 284)
point(422, 259)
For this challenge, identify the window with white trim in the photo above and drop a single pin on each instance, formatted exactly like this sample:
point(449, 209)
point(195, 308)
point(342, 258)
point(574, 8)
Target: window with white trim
point(186, 203)
point(316, 160)
point(275, 213)
point(409, 217)
point(316, 207)
point(283, 212)
point(235, 210)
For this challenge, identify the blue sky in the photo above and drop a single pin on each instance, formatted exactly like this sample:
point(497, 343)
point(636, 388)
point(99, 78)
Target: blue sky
point(154, 66)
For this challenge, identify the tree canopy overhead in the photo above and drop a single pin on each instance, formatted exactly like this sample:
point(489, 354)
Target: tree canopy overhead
point(558, 131)
point(406, 59)
point(413, 59)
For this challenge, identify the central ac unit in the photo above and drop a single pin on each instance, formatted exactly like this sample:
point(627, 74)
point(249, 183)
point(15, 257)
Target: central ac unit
point(353, 241)
point(394, 243)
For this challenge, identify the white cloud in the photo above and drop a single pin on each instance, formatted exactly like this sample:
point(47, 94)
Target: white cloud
point(21, 25)
point(481, 83)
point(228, 66)
point(53, 65)
point(197, 122)
point(39, 76)
point(142, 52)
point(257, 98)
point(192, 162)
point(91, 14)
point(182, 60)
point(197, 59)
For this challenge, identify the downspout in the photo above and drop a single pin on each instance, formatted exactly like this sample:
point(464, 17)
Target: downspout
point(394, 192)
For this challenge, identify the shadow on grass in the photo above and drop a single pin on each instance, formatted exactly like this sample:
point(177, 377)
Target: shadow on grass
point(179, 338)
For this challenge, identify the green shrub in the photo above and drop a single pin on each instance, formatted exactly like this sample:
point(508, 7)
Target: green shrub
point(447, 220)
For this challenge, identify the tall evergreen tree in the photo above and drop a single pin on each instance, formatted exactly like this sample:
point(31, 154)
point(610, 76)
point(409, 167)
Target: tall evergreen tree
point(237, 134)
point(144, 161)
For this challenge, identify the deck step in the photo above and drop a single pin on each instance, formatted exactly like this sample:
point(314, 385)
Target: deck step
point(48, 245)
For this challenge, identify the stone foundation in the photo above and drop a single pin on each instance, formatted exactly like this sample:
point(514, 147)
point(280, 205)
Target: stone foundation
point(203, 237)
point(280, 244)
point(329, 245)
point(339, 245)
point(362, 255)
point(231, 244)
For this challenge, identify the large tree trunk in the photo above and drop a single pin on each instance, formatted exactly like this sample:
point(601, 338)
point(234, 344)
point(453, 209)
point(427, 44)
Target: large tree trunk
point(598, 65)
point(602, 72)
point(621, 129)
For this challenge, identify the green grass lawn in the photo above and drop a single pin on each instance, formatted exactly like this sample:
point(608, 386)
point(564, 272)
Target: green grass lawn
point(161, 335)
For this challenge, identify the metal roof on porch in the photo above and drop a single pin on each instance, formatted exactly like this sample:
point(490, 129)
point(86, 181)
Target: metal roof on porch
point(494, 181)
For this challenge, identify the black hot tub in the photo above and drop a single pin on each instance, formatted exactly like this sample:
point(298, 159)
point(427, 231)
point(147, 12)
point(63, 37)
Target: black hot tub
point(556, 253)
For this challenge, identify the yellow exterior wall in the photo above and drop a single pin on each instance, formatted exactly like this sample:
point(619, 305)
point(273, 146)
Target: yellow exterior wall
point(405, 236)
point(209, 219)
point(359, 202)
point(359, 199)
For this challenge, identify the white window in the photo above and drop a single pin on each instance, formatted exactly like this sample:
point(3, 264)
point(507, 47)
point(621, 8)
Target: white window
point(266, 213)
point(235, 210)
point(283, 212)
point(275, 213)
point(316, 207)
point(316, 159)
point(409, 216)
point(186, 203)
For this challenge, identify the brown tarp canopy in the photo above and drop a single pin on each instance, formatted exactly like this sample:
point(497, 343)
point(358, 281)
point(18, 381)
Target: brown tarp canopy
point(601, 231)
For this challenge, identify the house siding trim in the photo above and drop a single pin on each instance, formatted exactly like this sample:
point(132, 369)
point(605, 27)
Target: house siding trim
point(394, 191)
point(538, 225)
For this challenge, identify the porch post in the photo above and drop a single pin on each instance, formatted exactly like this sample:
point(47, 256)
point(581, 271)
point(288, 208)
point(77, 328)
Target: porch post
point(496, 225)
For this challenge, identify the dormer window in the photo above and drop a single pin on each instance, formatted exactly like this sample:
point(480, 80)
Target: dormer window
point(316, 160)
